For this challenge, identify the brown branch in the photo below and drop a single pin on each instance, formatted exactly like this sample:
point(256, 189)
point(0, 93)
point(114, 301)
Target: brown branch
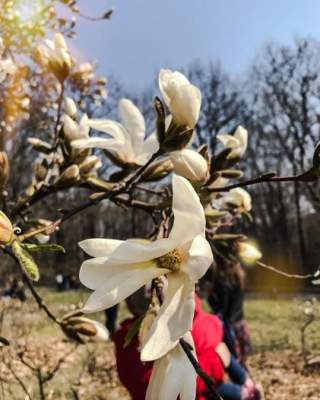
point(124, 186)
point(260, 179)
point(208, 381)
point(39, 300)
point(19, 380)
point(50, 375)
point(279, 272)
point(308, 322)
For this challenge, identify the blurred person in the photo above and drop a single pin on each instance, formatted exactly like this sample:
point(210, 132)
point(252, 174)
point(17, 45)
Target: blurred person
point(74, 282)
point(226, 299)
point(15, 290)
point(111, 318)
point(213, 356)
point(59, 282)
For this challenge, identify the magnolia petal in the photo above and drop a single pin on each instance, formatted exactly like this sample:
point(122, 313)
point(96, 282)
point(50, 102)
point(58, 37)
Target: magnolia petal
point(169, 83)
point(99, 247)
point(134, 250)
point(200, 258)
point(133, 121)
point(112, 128)
point(151, 144)
point(84, 127)
point(172, 375)
point(70, 128)
point(189, 218)
point(228, 141)
point(190, 164)
point(149, 147)
point(117, 282)
point(59, 42)
point(242, 135)
point(96, 142)
point(185, 105)
point(173, 320)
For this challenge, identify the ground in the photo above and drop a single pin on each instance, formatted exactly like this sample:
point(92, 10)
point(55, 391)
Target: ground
point(88, 371)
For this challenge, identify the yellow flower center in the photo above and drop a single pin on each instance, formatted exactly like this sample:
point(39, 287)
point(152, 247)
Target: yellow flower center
point(171, 260)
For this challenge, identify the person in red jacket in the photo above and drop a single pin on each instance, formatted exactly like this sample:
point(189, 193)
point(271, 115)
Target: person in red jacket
point(212, 354)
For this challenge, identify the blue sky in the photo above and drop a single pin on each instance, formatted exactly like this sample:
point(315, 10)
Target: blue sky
point(145, 35)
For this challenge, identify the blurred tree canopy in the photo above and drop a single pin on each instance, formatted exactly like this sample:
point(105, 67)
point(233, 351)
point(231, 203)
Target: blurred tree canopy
point(277, 100)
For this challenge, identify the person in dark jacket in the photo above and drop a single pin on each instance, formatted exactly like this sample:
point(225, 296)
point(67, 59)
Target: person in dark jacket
point(226, 299)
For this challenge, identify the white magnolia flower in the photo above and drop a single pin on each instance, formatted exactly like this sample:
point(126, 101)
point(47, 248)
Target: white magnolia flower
point(182, 98)
point(126, 138)
point(83, 73)
point(190, 164)
point(119, 268)
point(7, 66)
point(173, 376)
point(55, 55)
point(248, 253)
point(238, 197)
point(237, 142)
point(74, 130)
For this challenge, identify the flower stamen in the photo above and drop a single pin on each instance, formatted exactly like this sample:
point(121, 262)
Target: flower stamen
point(171, 260)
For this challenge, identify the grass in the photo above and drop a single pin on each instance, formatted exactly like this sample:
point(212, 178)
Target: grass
point(274, 326)
point(273, 323)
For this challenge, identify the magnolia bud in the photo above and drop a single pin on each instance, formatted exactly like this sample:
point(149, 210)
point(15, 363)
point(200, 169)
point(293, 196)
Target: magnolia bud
point(68, 177)
point(26, 261)
point(87, 327)
point(40, 145)
point(176, 137)
point(248, 253)
point(4, 168)
point(190, 164)
point(182, 98)
point(89, 164)
point(70, 107)
point(237, 143)
point(6, 230)
point(237, 197)
point(157, 170)
point(40, 172)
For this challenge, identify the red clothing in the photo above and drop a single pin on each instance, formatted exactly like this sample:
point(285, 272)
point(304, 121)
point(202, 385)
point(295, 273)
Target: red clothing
point(133, 374)
point(207, 333)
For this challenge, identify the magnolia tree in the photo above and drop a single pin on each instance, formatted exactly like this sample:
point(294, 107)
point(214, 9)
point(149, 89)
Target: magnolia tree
point(196, 199)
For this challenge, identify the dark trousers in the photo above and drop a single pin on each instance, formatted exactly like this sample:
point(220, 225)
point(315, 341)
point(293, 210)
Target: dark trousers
point(111, 316)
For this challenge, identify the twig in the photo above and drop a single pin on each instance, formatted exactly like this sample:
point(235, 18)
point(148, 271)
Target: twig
point(39, 300)
point(309, 321)
point(50, 375)
point(123, 186)
point(59, 112)
point(295, 276)
point(254, 181)
point(19, 380)
point(200, 372)
point(152, 191)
